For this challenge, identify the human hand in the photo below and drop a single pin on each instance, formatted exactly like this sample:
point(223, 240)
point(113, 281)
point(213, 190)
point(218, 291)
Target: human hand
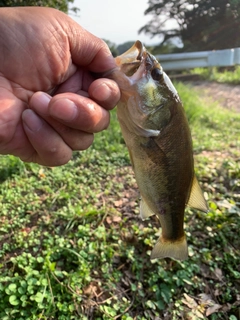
point(50, 103)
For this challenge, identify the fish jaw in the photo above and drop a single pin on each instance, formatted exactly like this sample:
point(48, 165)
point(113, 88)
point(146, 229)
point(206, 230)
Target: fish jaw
point(145, 97)
point(130, 68)
point(133, 76)
point(132, 57)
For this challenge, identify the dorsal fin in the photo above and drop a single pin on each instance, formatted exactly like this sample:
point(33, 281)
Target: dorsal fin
point(196, 199)
point(145, 211)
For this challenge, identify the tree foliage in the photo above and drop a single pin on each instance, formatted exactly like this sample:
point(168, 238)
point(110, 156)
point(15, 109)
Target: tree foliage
point(200, 24)
point(62, 5)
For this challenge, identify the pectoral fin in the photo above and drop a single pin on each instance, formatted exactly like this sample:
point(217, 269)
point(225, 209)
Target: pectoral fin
point(144, 132)
point(196, 199)
point(145, 211)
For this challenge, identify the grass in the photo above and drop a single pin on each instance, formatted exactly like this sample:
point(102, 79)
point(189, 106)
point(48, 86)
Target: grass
point(222, 75)
point(73, 247)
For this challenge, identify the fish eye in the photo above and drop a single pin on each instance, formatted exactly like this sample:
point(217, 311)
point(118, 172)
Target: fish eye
point(156, 74)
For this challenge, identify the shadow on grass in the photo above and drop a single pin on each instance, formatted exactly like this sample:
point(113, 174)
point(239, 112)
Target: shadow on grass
point(9, 167)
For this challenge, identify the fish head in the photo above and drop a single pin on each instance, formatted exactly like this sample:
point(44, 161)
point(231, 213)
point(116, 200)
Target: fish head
point(146, 90)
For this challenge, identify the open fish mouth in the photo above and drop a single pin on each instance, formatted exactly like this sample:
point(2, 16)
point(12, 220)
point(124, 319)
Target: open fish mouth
point(130, 61)
point(132, 65)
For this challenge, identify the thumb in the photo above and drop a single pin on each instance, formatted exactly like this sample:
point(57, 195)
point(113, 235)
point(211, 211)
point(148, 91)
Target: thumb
point(87, 49)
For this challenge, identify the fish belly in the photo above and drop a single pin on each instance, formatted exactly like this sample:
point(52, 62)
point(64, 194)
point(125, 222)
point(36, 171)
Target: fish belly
point(164, 172)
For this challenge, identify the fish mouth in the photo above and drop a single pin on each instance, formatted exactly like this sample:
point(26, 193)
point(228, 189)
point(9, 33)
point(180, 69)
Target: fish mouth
point(130, 61)
point(133, 65)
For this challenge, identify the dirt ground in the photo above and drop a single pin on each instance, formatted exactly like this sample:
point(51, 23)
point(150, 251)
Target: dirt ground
point(227, 95)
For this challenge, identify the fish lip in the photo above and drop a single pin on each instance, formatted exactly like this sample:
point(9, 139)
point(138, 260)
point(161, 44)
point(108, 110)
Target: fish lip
point(134, 54)
point(138, 44)
point(130, 61)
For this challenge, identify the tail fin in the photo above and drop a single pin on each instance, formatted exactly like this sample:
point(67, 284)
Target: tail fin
point(177, 250)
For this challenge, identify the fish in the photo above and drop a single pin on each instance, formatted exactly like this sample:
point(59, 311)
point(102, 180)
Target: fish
point(157, 134)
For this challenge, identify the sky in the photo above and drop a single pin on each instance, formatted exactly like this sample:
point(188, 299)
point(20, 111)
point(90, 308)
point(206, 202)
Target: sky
point(114, 20)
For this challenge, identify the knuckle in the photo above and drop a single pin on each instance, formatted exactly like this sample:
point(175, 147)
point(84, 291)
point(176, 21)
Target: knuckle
point(85, 142)
point(52, 157)
point(80, 141)
point(56, 156)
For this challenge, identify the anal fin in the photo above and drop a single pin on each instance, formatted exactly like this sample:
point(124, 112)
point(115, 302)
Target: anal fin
point(196, 199)
point(145, 211)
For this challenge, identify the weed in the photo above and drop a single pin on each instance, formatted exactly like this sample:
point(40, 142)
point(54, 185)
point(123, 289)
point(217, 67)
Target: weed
point(72, 245)
point(219, 74)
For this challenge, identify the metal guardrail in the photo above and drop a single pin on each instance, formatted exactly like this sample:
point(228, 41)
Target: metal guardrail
point(188, 60)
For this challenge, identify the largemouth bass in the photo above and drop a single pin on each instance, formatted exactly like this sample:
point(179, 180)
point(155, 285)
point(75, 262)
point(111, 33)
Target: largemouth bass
point(157, 134)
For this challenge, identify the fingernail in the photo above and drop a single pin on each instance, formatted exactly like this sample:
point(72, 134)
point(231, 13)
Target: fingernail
point(31, 120)
point(102, 92)
point(63, 109)
point(40, 101)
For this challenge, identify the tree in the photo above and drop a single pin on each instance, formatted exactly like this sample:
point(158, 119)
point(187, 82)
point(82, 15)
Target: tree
point(200, 24)
point(167, 47)
point(62, 5)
